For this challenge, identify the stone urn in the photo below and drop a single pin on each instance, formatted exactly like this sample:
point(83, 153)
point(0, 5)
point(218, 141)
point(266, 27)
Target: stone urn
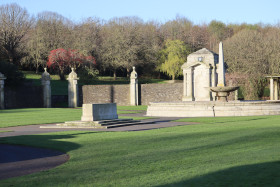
point(223, 91)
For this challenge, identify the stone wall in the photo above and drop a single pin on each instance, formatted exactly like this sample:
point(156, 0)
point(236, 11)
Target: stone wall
point(106, 94)
point(161, 92)
point(120, 93)
point(26, 96)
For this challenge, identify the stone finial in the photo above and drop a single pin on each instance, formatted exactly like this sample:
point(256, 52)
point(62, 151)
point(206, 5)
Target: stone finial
point(133, 74)
point(46, 76)
point(73, 75)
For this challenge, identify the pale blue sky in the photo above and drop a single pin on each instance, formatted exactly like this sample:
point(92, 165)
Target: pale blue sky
point(197, 11)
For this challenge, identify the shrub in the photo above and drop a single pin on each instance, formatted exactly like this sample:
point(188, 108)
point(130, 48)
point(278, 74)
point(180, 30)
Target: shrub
point(11, 72)
point(87, 75)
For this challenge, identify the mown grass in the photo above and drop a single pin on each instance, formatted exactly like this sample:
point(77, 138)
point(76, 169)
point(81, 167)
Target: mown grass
point(31, 116)
point(234, 151)
point(140, 107)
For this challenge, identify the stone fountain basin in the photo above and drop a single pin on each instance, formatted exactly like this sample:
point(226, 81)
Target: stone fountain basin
point(224, 89)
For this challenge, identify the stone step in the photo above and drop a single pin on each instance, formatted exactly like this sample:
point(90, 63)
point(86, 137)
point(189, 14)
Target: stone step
point(104, 124)
point(127, 124)
point(113, 121)
point(118, 122)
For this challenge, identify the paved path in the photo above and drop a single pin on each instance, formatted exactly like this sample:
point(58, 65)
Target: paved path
point(22, 160)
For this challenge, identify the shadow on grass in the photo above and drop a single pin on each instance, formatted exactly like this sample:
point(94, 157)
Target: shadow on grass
point(14, 148)
point(221, 120)
point(264, 174)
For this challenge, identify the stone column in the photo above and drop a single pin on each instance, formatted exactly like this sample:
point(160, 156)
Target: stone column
point(221, 70)
point(134, 88)
point(189, 85)
point(214, 81)
point(45, 81)
point(185, 84)
point(272, 89)
point(208, 84)
point(2, 82)
point(73, 89)
point(275, 89)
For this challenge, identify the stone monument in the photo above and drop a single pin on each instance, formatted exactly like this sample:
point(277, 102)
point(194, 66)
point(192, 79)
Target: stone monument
point(200, 73)
point(134, 88)
point(73, 89)
point(2, 93)
point(45, 81)
point(97, 112)
point(101, 116)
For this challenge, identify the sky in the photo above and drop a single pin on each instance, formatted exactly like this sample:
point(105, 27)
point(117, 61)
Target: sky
point(197, 11)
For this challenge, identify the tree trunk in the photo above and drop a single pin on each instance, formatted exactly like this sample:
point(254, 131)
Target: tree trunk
point(173, 77)
point(61, 75)
point(127, 72)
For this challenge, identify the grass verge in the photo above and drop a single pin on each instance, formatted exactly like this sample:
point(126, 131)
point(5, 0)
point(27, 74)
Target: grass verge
point(31, 116)
point(234, 151)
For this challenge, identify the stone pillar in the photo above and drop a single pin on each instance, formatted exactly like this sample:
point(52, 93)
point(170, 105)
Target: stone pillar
point(2, 82)
point(189, 85)
point(236, 95)
point(208, 84)
point(271, 89)
point(214, 81)
point(276, 89)
point(45, 81)
point(185, 84)
point(73, 89)
point(134, 88)
point(221, 70)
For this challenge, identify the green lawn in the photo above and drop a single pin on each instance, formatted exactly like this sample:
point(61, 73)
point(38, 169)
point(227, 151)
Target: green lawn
point(30, 116)
point(233, 151)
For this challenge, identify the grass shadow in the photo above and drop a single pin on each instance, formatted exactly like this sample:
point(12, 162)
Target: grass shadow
point(54, 141)
point(264, 174)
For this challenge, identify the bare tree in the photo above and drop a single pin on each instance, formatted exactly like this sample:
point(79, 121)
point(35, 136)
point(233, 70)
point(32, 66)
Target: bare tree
point(51, 31)
point(87, 37)
point(245, 54)
point(121, 43)
point(15, 22)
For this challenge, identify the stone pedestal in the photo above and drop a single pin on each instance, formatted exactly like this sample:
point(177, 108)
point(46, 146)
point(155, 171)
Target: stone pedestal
point(97, 112)
point(73, 89)
point(45, 81)
point(2, 82)
point(134, 88)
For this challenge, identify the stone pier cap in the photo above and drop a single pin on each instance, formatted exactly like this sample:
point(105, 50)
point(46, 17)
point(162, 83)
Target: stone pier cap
point(97, 112)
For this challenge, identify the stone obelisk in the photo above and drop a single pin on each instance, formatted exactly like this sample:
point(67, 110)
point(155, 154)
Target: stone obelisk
point(221, 69)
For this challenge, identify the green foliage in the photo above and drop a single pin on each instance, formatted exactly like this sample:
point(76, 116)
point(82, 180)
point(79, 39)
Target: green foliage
point(87, 75)
point(11, 72)
point(218, 29)
point(173, 57)
point(233, 151)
